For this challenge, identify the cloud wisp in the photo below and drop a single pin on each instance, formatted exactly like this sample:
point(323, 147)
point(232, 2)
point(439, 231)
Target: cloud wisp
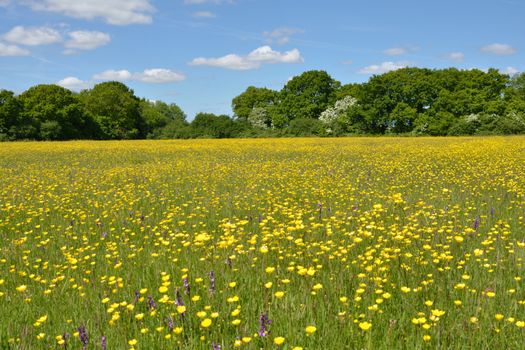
point(499, 49)
point(254, 60)
point(281, 35)
point(33, 36)
point(116, 12)
point(152, 76)
point(86, 40)
point(384, 67)
point(12, 50)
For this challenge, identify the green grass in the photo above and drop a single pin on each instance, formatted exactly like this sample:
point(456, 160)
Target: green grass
point(387, 223)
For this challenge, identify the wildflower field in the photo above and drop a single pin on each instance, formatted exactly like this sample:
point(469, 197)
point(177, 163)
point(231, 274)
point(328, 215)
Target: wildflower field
point(374, 243)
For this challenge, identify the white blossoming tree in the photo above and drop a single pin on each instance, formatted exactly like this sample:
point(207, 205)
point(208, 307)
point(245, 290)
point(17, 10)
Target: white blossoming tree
point(259, 118)
point(335, 116)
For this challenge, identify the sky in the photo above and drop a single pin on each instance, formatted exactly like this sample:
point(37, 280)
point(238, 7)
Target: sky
point(200, 54)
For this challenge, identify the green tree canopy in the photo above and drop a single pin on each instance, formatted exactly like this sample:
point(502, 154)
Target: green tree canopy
point(10, 108)
point(56, 113)
point(307, 95)
point(116, 109)
point(156, 115)
point(251, 98)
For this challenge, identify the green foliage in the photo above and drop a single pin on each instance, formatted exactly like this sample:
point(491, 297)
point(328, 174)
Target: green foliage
point(158, 115)
point(253, 97)
point(10, 108)
point(415, 101)
point(116, 109)
point(208, 125)
point(306, 96)
point(56, 109)
point(305, 127)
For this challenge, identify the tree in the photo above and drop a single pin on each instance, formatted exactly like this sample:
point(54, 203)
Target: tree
point(259, 118)
point(116, 109)
point(335, 118)
point(305, 127)
point(402, 118)
point(215, 126)
point(156, 115)
point(306, 96)
point(10, 108)
point(59, 110)
point(517, 86)
point(251, 98)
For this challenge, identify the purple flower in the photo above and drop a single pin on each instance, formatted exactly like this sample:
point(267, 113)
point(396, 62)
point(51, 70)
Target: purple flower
point(151, 302)
point(475, 225)
point(169, 321)
point(186, 286)
point(84, 338)
point(215, 346)
point(264, 322)
point(103, 343)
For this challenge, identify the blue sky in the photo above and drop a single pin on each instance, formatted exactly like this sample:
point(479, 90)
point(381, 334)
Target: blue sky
point(202, 53)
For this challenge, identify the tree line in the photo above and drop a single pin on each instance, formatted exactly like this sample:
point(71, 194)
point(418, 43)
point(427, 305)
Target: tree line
point(411, 101)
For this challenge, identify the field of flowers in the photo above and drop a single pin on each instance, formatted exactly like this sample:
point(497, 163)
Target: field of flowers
point(375, 243)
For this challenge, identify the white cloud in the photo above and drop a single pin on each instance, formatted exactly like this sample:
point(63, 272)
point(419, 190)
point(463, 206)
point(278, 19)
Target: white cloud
point(33, 36)
point(117, 12)
point(158, 76)
point(12, 50)
point(395, 51)
point(281, 35)
point(254, 60)
point(499, 49)
point(455, 56)
point(384, 67)
point(152, 76)
point(348, 62)
point(74, 84)
point(204, 14)
point(119, 75)
point(86, 40)
point(511, 71)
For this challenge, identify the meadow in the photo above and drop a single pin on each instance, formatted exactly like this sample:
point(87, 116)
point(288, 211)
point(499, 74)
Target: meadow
point(351, 243)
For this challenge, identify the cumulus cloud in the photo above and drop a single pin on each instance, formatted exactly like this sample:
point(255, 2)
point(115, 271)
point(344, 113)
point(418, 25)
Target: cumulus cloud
point(510, 71)
point(281, 35)
point(152, 76)
point(86, 40)
point(117, 12)
point(12, 50)
point(456, 56)
point(383, 67)
point(499, 49)
point(119, 75)
point(73, 83)
point(255, 59)
point(395, 51)
point(33, 36)
point(158, 76)
point(204, 14)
